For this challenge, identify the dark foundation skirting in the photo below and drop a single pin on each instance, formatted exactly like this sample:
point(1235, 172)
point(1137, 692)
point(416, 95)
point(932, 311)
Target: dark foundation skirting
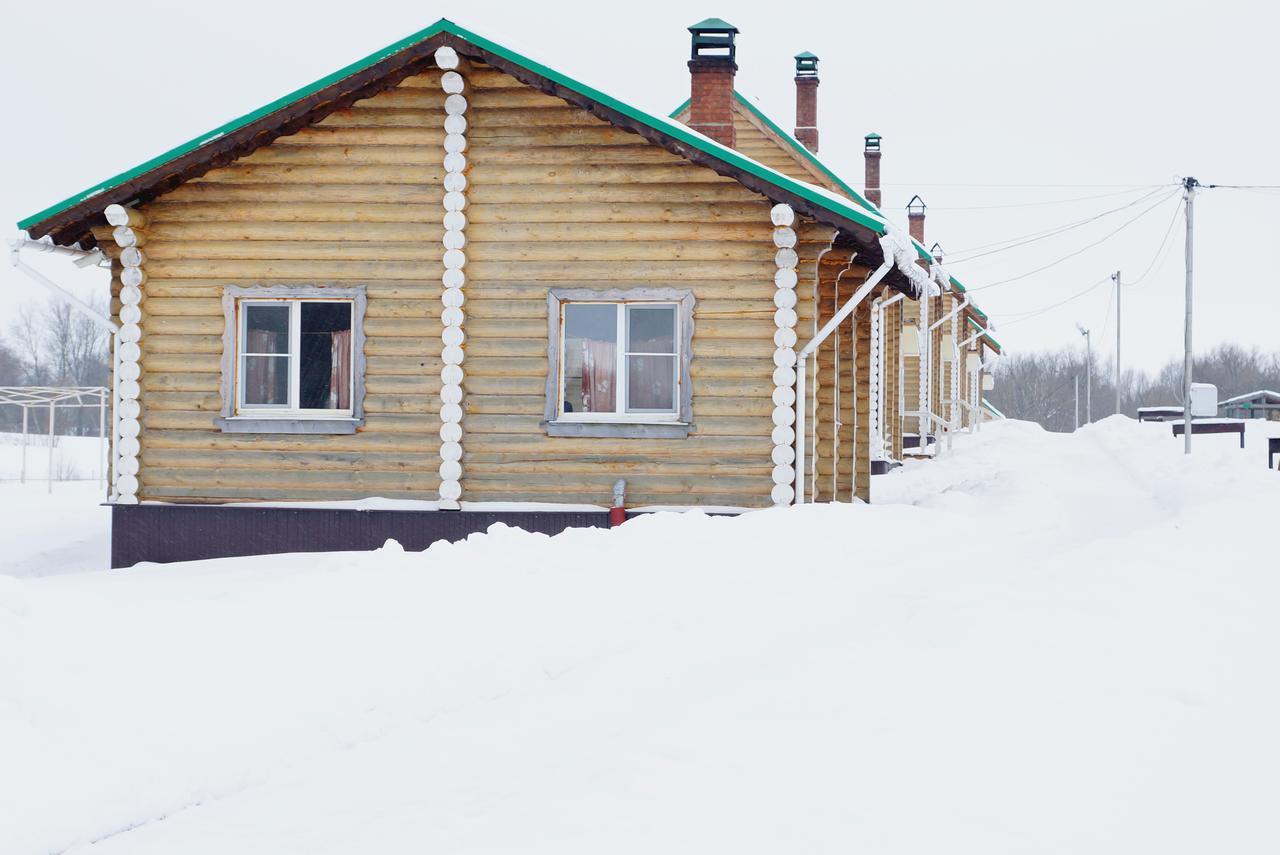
point(164, 533)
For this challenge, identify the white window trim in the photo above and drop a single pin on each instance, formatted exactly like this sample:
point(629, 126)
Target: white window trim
point(621, 423)
point(621, 370)
point(237, 418)
point(293, 354)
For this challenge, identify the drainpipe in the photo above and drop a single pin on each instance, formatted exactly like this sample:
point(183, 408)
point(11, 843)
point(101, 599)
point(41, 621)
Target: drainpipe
point(829, 327)
point(880, 376)
point(87, 257)
point(618, 513)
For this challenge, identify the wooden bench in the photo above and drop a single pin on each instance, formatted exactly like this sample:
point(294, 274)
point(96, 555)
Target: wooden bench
point(1159, 414)
point(1212, 426)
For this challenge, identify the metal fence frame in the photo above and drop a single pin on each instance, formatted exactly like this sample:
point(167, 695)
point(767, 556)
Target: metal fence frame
point(28, 397)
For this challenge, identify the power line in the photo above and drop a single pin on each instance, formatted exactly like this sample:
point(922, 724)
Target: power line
point(1026, 316)
point(1163, 243)
point(1023, 240)
point(1082, 249)
point(1027, 186)
point(1039, 204)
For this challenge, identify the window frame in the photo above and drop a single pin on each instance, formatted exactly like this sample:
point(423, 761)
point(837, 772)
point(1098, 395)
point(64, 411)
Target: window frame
point(270, 418)
point(673, 424)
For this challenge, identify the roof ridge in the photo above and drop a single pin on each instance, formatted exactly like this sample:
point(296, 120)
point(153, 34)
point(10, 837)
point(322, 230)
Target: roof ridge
point(812, 158)
point(677, 133)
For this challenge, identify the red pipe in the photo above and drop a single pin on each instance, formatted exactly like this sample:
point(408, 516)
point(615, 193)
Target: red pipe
point(618, 513)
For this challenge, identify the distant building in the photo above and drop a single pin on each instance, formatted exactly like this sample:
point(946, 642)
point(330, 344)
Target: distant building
point(1253, 405)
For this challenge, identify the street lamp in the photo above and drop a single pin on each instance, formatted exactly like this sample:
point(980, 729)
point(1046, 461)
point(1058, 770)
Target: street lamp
point(1088, 374)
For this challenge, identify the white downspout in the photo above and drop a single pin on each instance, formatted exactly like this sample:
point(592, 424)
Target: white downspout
point(845, 311)
point(63, 294)
point(880, 375)
point(954, 394)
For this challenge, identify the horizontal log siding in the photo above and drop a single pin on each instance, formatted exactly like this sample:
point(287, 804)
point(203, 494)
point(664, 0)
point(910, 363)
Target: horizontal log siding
point(892, 427)
point(352, 200)
point(758, 145)
point(834, 426)
point(557, 198)
point(562, 200)
point(911, 369)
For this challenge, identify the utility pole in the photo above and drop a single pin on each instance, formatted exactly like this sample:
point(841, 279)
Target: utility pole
point(1088, 374)
point(1076, 426)
point(1116, 277)
point(1189, 196)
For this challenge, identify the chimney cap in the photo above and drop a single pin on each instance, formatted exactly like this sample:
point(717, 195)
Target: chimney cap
point(713, 40)
point(936, 251)
point(806, 64)
point(916, 207)
point(872, 141)
point(714, 25)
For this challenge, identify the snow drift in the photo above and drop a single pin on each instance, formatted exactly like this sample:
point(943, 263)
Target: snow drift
point(1040, 643)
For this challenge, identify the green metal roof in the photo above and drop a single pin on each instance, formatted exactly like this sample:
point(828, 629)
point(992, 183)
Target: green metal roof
point(988, 336)
point(811, 158)
point(990, 406)
point(806, 55)
point(795, 144)
point(865, 216)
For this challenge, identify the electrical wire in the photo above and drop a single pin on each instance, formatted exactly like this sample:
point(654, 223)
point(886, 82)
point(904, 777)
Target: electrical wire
point(1163, 243)
point(1023, 240)
point(1026, 316)
point(1025, 186)
point(1039, 204)
point(1082, 249)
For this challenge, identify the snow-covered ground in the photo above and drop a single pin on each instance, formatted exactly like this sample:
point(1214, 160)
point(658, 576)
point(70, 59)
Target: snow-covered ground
point(75, 458)
point(1039, 643)
point(50, 529)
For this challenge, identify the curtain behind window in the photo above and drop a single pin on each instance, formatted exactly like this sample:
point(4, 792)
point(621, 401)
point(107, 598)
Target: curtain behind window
point(266, 379)
point(599, 367)
point(340, 379)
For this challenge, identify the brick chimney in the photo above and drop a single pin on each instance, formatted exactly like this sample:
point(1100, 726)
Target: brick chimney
point(807, 100)
point(915, 218)
point(711, 68)
point(871, 156)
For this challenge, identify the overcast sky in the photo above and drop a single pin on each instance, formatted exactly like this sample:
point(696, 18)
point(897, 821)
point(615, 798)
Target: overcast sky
point(1009, 119)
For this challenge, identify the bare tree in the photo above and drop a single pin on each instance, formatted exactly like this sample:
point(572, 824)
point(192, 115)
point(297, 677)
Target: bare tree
point(1040, 387)
point(52, 345)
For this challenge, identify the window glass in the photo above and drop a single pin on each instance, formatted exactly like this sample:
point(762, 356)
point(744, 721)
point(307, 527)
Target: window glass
point(651, 329)
point(267, 328)
point(265, 374)
point(590, 358)
point(651, 378)
point(324, 352)
point(651, 384)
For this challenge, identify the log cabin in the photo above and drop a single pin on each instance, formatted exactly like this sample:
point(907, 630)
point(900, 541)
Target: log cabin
point(456, 280)
point(896, 373)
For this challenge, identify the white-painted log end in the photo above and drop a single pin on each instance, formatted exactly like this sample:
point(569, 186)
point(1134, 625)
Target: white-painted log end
point(446, 58)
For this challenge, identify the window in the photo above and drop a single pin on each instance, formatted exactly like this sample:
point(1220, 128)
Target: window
point(620, 359)
point(293, 360)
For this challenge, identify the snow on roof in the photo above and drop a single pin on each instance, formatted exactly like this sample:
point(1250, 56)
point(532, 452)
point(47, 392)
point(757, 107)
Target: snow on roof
point(1249, 396)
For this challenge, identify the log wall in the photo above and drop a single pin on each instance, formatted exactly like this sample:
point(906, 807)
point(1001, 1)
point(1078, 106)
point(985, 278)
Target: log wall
point(557, 198)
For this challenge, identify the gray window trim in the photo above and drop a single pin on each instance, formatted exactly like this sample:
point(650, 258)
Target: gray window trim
point(229, 422)
point(640, 430)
